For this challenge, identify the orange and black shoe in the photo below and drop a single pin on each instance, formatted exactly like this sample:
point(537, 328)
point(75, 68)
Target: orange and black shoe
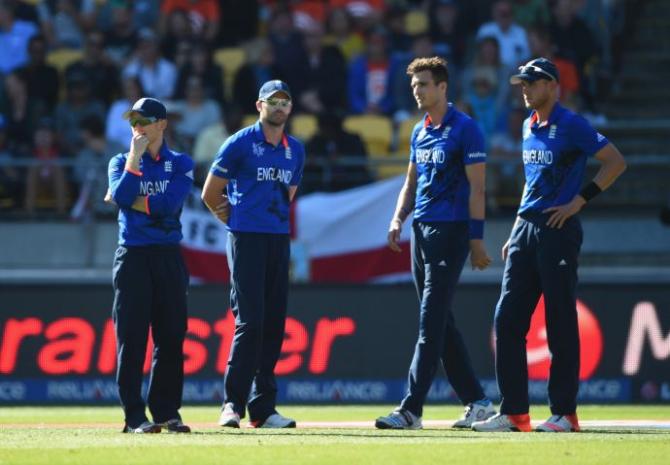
point(502, 423)
point(560, 424)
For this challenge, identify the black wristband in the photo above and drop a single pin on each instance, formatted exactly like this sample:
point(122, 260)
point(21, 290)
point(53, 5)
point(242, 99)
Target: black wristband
point(590, 191)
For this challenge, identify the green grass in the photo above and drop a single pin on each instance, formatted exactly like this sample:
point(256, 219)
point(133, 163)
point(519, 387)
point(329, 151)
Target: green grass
point(27, 438)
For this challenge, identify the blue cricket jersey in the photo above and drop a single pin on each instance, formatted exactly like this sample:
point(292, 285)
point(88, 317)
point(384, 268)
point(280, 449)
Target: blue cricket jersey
point(441, 154)
point(554, 158)
point(259, 175)
point(165, 182)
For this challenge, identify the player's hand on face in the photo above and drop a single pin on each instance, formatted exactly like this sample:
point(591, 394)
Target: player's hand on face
point(505, 251)
point(561, 213)
point(139, 144)
point(222, 211)
point(479, 259)
point(393, 237)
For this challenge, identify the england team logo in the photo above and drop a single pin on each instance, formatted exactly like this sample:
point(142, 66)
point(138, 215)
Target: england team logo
point(258, 149)
point(168, 166)
point(552, 131)
point(445, 133)
point(289, 155)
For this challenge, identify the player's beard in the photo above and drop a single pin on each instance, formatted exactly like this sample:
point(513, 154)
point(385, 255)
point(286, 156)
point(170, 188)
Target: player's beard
point(276, 118)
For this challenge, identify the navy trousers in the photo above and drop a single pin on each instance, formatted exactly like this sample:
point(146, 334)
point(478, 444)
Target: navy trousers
point(259, 265)
point(541, 260)
point(150, 289)
point(439, 251)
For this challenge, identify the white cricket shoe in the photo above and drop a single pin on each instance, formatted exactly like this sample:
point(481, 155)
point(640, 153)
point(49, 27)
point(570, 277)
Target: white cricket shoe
point(400, 418)
point(480, 410)
point(275, 420)
point(502, 423)
point(229, 418)
point(560, 424)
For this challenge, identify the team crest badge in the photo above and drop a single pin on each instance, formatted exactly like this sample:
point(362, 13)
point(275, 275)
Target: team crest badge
point(168, 167)
point(258, 149)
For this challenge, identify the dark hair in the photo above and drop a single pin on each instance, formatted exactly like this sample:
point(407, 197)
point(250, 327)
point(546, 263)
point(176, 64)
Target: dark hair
point(436, 65)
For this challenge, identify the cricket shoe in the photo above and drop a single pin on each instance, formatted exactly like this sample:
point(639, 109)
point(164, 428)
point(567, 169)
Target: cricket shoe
point(400, 418)
point(176, 426)
point(229, 418)
point(146, 427)
point(275, 420)
point(560, 424)
point(502, 423)
point(480, 410)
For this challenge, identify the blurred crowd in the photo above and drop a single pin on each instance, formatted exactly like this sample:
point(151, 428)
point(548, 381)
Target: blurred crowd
point(70, 68)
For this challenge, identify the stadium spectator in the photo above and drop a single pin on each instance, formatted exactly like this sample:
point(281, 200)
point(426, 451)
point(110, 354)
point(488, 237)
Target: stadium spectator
point(448, 32)
point(287, 45)
point(339, 28)
point(261, 66)
point(480, 100)
point(157, 74)
point(46, 180)
point(10, 181)
point(78, 106)
point(42, 79)
point(514, 49)
point(324, 168)
point(574, 41)
point(487, 57)
point(200, 64)
point(323, 72)
point(121, 38)
point(178, 30)
point(207, 144)
point(204, 17)
point(64, 22)
point(504, 177)
point(21, 111)
point(14, 37)
point(98, 69)
point(117, 129)
point(90, 169)
point(370, 89)
point(196, 111)
point(541, 46)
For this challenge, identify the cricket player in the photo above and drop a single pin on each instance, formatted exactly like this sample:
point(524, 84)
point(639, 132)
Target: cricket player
point(445, 188)
point(542, 252)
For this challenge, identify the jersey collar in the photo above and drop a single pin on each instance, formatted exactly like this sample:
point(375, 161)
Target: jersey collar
point(258, 133)
point(556, 111)
point(429, 122)
point(163, 152)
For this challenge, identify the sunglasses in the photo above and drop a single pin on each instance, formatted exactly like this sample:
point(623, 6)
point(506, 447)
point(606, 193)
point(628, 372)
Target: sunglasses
point(143, 121)
point(278, 102)
point(532, 68)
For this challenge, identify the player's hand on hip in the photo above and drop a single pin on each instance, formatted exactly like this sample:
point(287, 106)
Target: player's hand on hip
point(505, 250)
point(393, 237)
point(222, 210)
point(479, 259)
point(560, 213)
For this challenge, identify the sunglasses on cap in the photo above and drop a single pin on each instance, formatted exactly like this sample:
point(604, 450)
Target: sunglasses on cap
point(536, 69)
point(277, 102)
point(142, 121)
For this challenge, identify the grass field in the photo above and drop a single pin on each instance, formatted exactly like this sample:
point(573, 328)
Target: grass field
point(90, 435)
